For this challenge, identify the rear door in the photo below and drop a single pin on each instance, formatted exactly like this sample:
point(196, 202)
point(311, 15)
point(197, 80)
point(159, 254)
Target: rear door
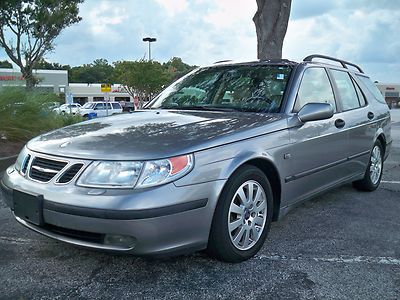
point(358, 116)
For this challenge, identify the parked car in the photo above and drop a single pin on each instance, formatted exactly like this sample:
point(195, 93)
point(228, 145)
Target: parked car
point(102, 109)
point(128, 107)
point(210, 162)
point(72, 108)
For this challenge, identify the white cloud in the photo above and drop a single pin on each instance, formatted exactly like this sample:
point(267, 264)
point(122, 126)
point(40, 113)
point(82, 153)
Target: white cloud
point(173, 7)
point(104, 15)
point(225, 13)
point(204, 31)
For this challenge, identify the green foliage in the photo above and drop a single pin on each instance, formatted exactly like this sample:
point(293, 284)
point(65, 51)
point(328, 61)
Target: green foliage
point(141, 77)
point(100, 71)
point(25, 114)
point(45, 65)
point(28, 29)
point(5, 64)
point(176, 68)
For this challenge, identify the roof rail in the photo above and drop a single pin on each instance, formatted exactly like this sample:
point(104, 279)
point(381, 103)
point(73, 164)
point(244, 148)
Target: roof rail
point(342, 62)
point(222, 61)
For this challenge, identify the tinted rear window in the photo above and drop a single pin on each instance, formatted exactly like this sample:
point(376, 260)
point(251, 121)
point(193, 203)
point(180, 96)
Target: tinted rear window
point(372, 88)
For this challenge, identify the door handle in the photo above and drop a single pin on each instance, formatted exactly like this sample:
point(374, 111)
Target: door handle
point(370, 115)
point(339, 123)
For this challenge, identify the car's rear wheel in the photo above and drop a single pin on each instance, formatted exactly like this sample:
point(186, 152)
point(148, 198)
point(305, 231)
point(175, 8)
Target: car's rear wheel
point(373, 174)
point(242, 217)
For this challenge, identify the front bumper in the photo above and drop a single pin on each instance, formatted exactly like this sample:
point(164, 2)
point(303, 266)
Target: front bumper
point(162, 220)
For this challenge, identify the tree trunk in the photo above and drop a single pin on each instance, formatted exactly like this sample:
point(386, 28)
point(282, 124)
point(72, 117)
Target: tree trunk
point(271, 20)
point(30, 79)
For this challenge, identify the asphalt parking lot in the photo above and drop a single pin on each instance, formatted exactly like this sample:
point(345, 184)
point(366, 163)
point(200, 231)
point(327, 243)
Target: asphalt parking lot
point(342, 245)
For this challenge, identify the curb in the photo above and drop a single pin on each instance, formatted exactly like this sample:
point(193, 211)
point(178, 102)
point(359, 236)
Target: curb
point(5, 162)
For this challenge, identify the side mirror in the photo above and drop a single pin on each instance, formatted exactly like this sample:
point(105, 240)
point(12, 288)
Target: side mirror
point(315, 112)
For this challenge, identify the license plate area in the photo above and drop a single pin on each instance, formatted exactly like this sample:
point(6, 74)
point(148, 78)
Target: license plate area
point(28, 207)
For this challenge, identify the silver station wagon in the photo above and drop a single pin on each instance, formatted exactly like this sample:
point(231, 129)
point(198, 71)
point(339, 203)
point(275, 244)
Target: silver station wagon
point(209, 163)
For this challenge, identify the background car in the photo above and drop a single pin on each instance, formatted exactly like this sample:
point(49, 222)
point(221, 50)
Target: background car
point(128, 107)
point(72, 108)
point(102, 109)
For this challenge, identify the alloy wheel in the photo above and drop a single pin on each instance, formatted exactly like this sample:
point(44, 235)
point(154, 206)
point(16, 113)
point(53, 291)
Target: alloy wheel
point(247, 215)
point(375, 168)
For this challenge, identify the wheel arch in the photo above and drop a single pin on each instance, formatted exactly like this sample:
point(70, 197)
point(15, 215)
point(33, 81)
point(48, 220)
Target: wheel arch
point(271, 172)
point(382, 138)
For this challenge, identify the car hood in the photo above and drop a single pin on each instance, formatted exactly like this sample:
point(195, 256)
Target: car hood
point(153, 134)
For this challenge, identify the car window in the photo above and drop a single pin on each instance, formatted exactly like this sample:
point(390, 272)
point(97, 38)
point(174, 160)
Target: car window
point(242, 88)
point(347, 93)
point(88, 105)
point(372, 88)
point(116, 106)
point(99, 106)
point(107, 106)
point(315, 87)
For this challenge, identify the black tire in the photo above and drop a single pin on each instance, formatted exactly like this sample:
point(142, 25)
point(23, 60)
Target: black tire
point(220, 245)
point(367, 183)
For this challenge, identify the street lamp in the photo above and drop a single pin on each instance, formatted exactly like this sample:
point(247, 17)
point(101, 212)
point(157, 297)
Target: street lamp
point(150, 40)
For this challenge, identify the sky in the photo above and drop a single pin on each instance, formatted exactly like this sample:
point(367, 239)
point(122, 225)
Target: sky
point(201, 32)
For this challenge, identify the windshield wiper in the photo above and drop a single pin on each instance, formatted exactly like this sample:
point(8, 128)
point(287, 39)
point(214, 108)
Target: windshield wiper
point(200, 107)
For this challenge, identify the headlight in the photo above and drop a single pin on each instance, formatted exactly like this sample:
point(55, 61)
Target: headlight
point(111, 174)
point(166, 170)
point(135, 174)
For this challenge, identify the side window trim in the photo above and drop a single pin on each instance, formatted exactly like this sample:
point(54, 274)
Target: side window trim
point(359, 84)
point(335, 91)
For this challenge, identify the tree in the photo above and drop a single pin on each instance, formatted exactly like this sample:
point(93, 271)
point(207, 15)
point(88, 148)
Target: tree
point(45, 65)
point(141, 78)
point(176, 68)
point(28, 29)
point(5, 64)
point(271, 20)
point(100, 71)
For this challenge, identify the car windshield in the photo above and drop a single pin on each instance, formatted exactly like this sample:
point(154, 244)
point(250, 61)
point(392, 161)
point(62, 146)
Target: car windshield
point(88, 105)
point(241, 88)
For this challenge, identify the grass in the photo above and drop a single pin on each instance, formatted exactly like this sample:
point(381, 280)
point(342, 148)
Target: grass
point(26, 114)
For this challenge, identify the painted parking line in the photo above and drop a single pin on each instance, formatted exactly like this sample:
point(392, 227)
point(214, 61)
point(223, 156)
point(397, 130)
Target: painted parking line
point(391, 182)
point(12, 240)
point(339, 259)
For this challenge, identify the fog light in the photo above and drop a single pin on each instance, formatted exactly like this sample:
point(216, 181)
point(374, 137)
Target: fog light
point(120, 240)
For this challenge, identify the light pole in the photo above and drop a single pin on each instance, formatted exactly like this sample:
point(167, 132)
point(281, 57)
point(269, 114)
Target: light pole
point(150, 40)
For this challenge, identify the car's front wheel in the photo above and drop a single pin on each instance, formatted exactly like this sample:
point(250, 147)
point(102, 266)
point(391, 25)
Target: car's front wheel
point(242, 217)
point(373, 174)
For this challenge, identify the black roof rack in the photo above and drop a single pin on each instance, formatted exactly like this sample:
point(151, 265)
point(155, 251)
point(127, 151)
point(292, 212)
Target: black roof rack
point(222, 61)
point(342, 62)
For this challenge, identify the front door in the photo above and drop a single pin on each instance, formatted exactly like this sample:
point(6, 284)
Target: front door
point(318, 149)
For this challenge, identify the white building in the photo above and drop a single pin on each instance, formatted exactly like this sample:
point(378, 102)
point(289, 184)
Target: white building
point(49, 80)
point(89, 92)
point(391, 92)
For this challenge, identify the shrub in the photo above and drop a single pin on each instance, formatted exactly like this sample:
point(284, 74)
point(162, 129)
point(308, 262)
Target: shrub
point(25, 114)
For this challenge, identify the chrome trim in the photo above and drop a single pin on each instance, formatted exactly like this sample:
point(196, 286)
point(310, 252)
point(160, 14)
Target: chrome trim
point(69, 162)
point(44, 170)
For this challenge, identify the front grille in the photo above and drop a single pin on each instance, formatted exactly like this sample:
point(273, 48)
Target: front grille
point(76, 234)
point(44, 170)
point(70, 173)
